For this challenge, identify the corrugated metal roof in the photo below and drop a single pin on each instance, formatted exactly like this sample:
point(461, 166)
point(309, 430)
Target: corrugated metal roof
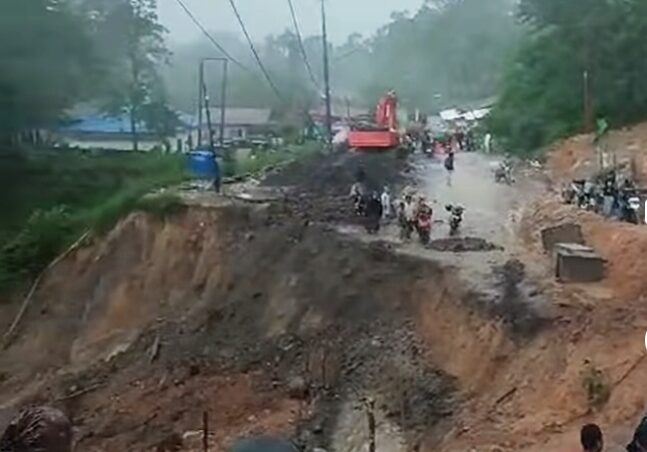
point(233, 117)
point(102, 124)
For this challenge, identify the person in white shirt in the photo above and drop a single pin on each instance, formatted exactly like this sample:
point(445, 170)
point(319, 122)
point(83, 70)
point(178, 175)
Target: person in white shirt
point(407, 216)
point(386, 203)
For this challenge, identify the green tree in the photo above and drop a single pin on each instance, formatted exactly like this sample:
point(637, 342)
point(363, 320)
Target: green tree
point(132, 40)
point(542, 93)
point(47, 59)
point(448, 52)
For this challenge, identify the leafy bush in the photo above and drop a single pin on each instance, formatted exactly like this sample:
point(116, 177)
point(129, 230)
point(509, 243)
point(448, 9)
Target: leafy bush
point(96, 190)
point(596, 385)
point(45, 234)
point(162, 205)
point(542, 96)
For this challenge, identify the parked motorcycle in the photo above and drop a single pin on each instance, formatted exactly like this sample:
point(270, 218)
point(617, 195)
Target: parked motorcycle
point(455, 218)
point(503, 174)
point(630, 208)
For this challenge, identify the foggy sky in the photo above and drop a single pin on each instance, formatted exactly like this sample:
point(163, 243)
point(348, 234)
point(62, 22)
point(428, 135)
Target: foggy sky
point(263, 17)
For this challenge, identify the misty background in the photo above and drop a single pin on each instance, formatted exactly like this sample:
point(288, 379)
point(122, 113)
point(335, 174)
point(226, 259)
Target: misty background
point(265, 17)
point(434, 53)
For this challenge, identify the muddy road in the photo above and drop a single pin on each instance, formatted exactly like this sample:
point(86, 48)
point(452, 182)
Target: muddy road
point(488, 238)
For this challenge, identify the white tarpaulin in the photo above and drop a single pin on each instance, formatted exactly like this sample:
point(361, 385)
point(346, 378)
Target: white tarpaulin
point(450, 115)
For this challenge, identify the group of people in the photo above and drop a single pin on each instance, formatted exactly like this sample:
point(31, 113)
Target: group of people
point(606, 195)
point(592, 440)
point(412, 212)
point(425, 141)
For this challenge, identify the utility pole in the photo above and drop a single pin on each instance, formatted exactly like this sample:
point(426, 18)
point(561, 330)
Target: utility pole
point(326, 69)
point(200, 100)
point(223, 105)
point(204, 102)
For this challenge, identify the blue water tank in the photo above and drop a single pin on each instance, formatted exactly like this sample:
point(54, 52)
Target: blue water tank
point(202, 164)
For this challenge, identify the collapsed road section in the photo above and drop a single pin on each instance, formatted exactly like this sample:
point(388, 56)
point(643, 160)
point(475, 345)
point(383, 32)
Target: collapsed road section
point(261, 319)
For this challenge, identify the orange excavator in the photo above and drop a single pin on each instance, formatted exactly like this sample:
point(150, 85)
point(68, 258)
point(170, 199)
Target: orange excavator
point(383, 133)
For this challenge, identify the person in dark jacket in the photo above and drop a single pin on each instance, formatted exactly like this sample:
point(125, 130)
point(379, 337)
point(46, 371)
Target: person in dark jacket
point(639, 441)
point(449, 161)
point(591, 438)
point(38, 429)
point(373, 213)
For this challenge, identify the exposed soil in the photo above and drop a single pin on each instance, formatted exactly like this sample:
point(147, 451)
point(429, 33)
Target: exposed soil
point(239, 306)
point(577, 157)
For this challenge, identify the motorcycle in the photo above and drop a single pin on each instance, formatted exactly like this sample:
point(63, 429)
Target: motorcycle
point(503, 174)
point(630, 208)
point(455, 218)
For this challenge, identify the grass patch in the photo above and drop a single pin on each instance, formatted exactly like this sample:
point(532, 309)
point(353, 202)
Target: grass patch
point(52, 198)
point(163, 205)
point(596, 385)
point(261, 159)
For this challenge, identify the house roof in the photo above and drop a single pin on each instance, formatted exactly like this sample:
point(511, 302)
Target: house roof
point(233, 117)
point(96, 123)
point(339, 111)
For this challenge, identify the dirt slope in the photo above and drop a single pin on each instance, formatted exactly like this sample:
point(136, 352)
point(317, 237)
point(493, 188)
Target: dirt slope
point(237, 300)
point(576, 157)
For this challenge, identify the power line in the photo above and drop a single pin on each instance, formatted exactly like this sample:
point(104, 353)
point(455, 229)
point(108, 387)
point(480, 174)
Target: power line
point(211, 38)
point(253, 48)
point(349, 53)
point(301, 46)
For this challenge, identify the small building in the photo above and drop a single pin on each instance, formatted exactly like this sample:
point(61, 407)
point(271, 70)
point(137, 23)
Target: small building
point(240, 123)
point(339, 111)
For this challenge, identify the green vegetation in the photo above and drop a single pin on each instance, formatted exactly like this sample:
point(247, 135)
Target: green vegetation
point(257, 161)
point(50, 199)
point(106, 53)
point(596, 385)
point(542, 96)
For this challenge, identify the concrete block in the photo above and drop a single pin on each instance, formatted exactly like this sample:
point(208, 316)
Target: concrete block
point(577, 263)
point(564, 233)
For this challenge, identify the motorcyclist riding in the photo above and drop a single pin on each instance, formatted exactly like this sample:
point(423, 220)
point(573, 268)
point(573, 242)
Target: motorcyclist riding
point(455, 217)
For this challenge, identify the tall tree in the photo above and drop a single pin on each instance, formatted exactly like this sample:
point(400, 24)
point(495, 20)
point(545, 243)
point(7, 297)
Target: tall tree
point(542, 96)
point(47, 58)
point(131, 37)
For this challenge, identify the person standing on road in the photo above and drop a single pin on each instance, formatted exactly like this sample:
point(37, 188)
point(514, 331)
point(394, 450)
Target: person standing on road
point(487, 142)
point(373, 213)
point(386, 203)
point(591, 438)
point(408, 216)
